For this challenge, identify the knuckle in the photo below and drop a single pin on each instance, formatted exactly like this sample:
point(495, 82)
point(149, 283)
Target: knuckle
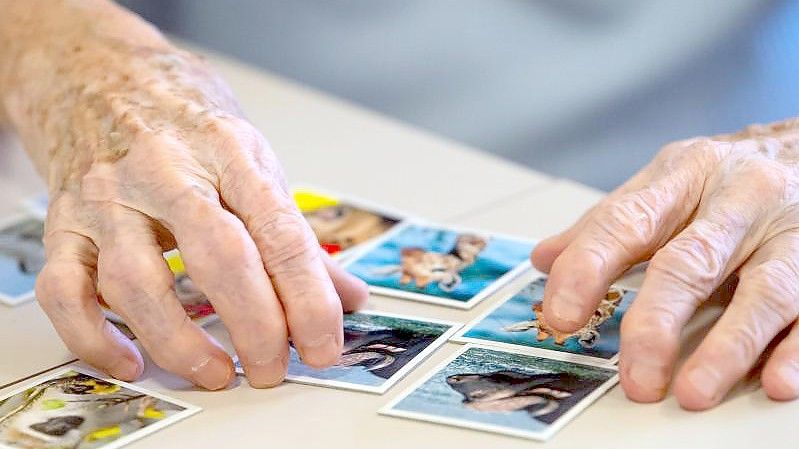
point(741, 343)
point(286, 239)
point(776, 286)
point(698, 256)
point(686, 268)
point(767, 178)
point(635, 218)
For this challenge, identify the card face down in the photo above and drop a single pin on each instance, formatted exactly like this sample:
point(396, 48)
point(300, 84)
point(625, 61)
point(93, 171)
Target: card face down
point(504, 392)
point(76, 409)
point(518, 323)
point(379, 349)
point(440, 265)
point(21, 259)
point(341, 224)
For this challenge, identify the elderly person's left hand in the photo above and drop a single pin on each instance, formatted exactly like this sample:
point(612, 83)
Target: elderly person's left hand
point(703, 210)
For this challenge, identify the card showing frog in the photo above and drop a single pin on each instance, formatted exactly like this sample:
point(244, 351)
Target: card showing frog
point(77, 409)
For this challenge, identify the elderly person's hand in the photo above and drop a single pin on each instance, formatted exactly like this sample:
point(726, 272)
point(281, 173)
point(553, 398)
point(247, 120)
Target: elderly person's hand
point(145, 149)
point(703, 210)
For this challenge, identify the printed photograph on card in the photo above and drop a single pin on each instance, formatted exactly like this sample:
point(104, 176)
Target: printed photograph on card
point(437, 264)
point(519, 322)
point(75, 409)
point(196, 305)
point(21, 258)
point(341, 224)
point(379, 349)
point(504, 392)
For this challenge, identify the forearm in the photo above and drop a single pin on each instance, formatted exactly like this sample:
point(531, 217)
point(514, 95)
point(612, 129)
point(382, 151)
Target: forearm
point(53, 54)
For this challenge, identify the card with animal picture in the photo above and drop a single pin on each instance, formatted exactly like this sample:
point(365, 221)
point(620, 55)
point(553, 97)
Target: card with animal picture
point(21, 258)
point(197, 306)
point(518, 323)
point(342, 223)
point(37, 205)
point(73, 408)
point(440, 265)
point(500, 391)
point(379, 350)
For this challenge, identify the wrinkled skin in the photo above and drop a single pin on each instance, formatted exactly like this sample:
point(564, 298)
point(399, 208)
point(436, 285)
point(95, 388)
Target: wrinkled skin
point(703, 210)
point(145, 149)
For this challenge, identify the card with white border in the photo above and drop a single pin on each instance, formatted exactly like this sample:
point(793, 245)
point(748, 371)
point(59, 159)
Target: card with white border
point(516, 323)
point(379, 349)
point(440, 264)
point(21, 258)
point(76, 408)
point(342, 223)
point(495, 390)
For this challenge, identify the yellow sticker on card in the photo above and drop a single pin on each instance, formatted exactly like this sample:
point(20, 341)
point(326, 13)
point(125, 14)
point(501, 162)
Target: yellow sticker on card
point(308, 200)
point(175, 262)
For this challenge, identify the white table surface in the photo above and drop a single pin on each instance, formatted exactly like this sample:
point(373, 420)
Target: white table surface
point(330, 143)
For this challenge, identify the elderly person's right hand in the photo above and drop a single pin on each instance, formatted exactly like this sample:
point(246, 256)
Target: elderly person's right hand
point(145, 149)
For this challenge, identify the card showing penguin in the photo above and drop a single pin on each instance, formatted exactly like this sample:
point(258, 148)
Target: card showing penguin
point(504, 392)
point(379, 349)
point(519, 323)
point(77, 409)
point(441, 265)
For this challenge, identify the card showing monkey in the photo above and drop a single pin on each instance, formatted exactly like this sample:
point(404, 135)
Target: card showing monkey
point(21, 259)
point(440, 265)
point(518, 323)
point(71, 408)
point(341, 224)
point(504, 392)
point(379, 350)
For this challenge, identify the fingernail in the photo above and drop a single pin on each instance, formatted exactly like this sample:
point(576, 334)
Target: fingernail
point(212, 373)
point(125, 369)
point(789, 375)
point(321, 351)
point(705, 381)
point(648, 375)
point(267, 373)
point(566, 306)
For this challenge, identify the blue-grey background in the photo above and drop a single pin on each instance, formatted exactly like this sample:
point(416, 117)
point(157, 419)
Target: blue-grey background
point(587, 89)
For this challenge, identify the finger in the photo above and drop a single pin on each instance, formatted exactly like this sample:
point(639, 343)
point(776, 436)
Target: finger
point(546, 251)
point(352, 290)
point(138, 285)
point(780, 376)
point(65, 289)
point(682, 275)
point(290, 252)
point(622, 233)
point(223, 261)
point(765, 302)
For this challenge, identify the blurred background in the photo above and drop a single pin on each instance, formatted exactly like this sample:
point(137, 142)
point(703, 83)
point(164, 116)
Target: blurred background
point(584, 89)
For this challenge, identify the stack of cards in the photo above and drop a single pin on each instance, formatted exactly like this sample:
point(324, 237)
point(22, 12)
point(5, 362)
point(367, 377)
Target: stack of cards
point(74, 408)
point(21, 258)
